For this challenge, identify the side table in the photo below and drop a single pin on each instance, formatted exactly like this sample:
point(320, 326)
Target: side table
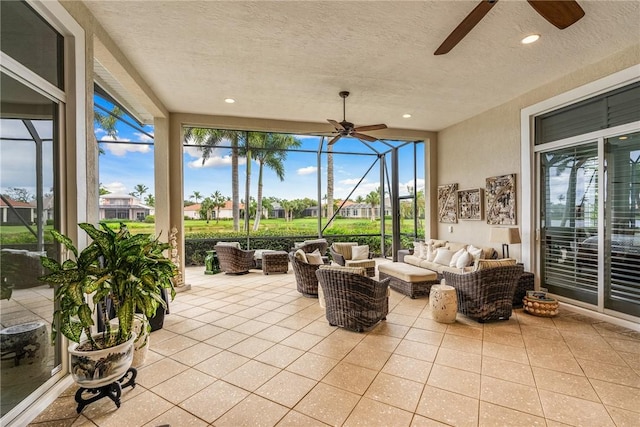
point(275, 262)
point(443, 301)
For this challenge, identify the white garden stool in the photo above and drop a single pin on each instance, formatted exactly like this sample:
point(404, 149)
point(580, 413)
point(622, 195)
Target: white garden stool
point(444, 303)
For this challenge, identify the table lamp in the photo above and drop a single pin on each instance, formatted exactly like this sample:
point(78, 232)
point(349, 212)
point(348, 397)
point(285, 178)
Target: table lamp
point(506, 236)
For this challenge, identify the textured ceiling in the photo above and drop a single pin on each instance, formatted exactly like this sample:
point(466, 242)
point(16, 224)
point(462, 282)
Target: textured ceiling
point(289, 59)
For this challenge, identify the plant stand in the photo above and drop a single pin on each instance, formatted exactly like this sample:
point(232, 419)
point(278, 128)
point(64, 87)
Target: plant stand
point(113, 391)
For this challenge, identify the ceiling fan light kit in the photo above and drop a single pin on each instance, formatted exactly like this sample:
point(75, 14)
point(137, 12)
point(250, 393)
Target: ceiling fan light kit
point(560, 13)
point(345, 128)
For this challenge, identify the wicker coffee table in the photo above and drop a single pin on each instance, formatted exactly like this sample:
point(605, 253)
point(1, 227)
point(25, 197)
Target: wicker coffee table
point(275, 262)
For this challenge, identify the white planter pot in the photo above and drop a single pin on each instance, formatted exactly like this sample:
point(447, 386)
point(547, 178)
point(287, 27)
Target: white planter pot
point(141, 344)
point(92, 369)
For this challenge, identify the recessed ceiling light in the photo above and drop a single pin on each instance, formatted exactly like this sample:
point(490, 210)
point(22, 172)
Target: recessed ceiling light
point(229, 100)
point(530, 39)
point(406, 116)
point(623, 137)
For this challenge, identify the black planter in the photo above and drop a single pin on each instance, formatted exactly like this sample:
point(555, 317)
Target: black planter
point(157, 321)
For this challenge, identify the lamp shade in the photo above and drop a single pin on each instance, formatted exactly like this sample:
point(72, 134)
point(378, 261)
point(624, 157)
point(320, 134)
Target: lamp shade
point(504, 235)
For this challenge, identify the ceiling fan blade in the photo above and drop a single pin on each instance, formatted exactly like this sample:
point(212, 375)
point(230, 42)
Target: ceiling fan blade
point(465, 26)
point(363, 136)
point(562, 14)
point(370, 127)
point(336, 125)
point(334, 140)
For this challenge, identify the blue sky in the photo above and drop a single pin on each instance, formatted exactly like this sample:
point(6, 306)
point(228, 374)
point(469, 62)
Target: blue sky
point(125, 165)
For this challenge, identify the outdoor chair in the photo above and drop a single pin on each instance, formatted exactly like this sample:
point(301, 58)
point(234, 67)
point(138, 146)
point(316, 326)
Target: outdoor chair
point(342, 253)
point(234, 260)
point(486, 294)
point(353, 301)
point(306, 280)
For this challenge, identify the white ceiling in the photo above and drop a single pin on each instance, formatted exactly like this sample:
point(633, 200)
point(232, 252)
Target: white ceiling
point(289, 59)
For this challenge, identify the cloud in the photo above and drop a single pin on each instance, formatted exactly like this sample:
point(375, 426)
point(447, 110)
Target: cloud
point(142, 137)
point(351, 181)
point(122, 149)
point(215, 162)
point(307, 170)
point(116, 188)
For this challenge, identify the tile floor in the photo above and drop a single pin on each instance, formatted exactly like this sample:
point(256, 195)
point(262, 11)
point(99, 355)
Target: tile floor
point(251, 351)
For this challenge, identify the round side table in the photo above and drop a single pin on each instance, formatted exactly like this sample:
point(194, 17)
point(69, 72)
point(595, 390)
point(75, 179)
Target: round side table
point(444, 303)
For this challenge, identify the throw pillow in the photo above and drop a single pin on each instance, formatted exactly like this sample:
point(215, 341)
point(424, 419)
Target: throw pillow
point(360, 252)
point(417, 249)
point(300, 256)
point(438, 243)
point(431, 253)
point(464, 260)
point(315, 258)
point(456, 255)
point(476, 253)
point(443, 256)
point(484, 264)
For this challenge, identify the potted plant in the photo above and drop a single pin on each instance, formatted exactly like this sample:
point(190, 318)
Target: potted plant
point(128, 270)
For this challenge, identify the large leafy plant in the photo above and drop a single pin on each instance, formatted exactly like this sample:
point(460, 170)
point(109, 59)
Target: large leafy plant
point(128, 270)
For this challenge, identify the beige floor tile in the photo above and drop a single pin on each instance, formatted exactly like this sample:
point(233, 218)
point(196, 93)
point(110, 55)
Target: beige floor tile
point(279, 356)
point(619, 396)
point(353, 378)
point(447, 407)
point(295, 322)
point(511, 395)
point(373, 413)
point(420, 421)
point(508, 371)
point(275, 333)
point(626, 345)
point(177, 417)
point(319, 327)
point(333, 347)
point(213, 401)
point(532, 332)
point(546, 347)
point(474, 331)
point(559, 363)
point(211, 317)
point(227, 339)
point(493, 415)
point(429, 324)
point(63, 408)
point(389, 329)
point(251, 375)
point(251, 347)
point(313, 366)
point(624, 418)
point(195, 354)
point(455, 380)
point(204, 332)
point(328, 404)
point(155, 373)
point(401, 319)
point(161, 335)
point(408, 368)
point(395, 391)
point(594, 349)
point(613, 373)
point(569, 384)
point(462, 343)
point(459, 359)
point(424, 336)
point(383, 342)
point(367, 356)
point(230, 321)
point(253, 411)
point(574, 411)
point(417, 350)
point(182, 386)
point(251, 327)
point(173, 345)
point(221, 364)
point(301, 340)
point(296, 419)
point(134, 412)
point(506, 338)
point(273, 317)
point(505, 352)
point(286, 388)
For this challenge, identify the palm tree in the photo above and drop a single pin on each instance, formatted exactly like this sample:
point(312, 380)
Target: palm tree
point(208, 139)
point(270, 149)
point(150, 200)
point(206, 207)
point(196, 195)
point(329, 183)
point(373, 199)
point(218, 203)
point(139, 190)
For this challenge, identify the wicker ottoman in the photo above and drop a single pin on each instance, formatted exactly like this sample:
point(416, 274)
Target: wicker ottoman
point(275, 262)
point(368, 264)
point(408, 279)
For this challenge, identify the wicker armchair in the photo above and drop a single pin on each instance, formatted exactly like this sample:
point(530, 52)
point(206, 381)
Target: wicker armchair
point(233, 260)
point(309, 246)
point(341, 254)
point(353, 301)
point(486, 294)
point(306, 280)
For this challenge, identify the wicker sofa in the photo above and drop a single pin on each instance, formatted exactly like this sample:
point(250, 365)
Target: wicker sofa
point(353, 301)
point(421, 259)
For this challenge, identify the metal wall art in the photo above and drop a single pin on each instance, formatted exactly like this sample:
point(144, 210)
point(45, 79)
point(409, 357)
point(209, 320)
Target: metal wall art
point(447, 207)
point(501, 200)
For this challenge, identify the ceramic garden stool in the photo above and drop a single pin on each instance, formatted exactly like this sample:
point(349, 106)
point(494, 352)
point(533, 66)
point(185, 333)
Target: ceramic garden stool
point(444, 303)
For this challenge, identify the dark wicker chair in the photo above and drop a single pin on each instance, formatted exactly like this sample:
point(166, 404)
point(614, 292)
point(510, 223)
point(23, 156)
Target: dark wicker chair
point(306, 280)
point(486, 294)
point(311, 245)
point(353, 301)
point(233, 260)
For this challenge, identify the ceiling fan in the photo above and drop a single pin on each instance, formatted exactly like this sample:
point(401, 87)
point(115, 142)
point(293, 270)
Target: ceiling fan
point(345, 128)
point(562, 14)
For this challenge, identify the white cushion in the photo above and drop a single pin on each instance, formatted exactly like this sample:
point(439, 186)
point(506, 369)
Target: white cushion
point(360, 252)
point(431, 253)
point(443, 256)
point(456, 255)
point(476, 253)
point(234, 244)
point(417, 249)
point(464, 260)
point(300, 256)
point(314, 257)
